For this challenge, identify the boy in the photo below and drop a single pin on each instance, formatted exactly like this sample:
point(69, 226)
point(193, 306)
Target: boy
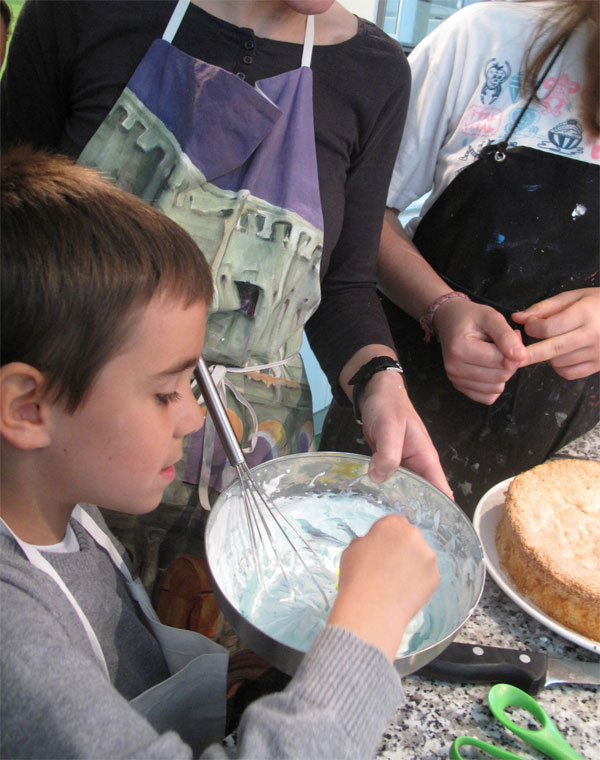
point(101, 301)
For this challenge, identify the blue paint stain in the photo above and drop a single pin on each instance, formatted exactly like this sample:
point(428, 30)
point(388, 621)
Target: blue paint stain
point(531, 188)
point(500, 238)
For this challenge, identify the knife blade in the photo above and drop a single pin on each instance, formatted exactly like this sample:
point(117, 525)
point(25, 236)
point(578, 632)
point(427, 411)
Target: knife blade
point(530, 671)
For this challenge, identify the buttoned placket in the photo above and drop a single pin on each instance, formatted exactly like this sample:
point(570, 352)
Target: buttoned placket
point(248, 46)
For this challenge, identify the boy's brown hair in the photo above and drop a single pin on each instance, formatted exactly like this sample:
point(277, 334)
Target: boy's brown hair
point(79, 257)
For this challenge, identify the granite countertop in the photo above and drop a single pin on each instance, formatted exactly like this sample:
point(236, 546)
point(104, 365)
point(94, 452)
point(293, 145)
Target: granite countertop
point(436, 712)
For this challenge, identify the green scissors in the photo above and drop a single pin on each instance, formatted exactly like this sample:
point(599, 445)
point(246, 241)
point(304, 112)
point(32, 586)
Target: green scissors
point(547, 739)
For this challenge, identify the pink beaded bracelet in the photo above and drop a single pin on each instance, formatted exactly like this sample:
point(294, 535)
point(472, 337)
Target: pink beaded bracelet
point(426, 320)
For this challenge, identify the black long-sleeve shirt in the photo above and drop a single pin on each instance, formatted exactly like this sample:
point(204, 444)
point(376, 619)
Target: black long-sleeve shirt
point(69, 62)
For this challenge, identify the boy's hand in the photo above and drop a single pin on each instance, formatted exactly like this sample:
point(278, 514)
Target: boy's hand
point(386, 577)
point(568, 326)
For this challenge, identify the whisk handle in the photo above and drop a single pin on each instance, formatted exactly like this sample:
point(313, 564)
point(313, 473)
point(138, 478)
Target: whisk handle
point(218, 413)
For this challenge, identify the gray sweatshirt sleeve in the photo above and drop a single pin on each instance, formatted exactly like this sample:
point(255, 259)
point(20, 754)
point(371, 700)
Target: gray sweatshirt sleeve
point(57, 703)
point(337, 705)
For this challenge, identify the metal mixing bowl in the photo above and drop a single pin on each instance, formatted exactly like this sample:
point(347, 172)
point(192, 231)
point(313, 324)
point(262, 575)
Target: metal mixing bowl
point(447, 529)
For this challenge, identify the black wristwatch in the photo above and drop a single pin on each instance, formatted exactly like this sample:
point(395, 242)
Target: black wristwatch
point(364, 374)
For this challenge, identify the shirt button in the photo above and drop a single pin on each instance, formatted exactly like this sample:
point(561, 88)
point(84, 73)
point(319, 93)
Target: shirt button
point(249, 44)
point(241, 75)
point(247, 59)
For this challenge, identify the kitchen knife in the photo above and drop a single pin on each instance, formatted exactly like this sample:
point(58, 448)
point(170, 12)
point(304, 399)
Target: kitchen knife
point(530, 671)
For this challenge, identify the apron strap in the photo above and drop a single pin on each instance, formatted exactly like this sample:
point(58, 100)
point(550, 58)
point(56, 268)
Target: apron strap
point(175, 20)
point(100, 537)
point(37, 560)
point(499, 147)
point(309, 41)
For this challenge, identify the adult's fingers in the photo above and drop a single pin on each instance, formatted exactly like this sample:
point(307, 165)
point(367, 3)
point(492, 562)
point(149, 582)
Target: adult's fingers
point(549, 306)
point(417, 454)
point(430, 469)
point(472, 374)
point(558, 324)
point(507, 340)
point(555, 347)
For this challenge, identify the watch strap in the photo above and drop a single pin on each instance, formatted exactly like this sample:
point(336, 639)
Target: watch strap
point(364, 374)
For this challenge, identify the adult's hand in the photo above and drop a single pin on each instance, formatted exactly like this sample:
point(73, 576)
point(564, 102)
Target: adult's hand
point(480, 349)
point(396, 433)
point(568, 328)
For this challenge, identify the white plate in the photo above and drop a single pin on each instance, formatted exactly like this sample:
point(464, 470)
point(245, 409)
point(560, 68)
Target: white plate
point(485, 520)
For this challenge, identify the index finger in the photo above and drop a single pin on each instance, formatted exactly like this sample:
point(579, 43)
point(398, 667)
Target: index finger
point(545, 350)
point(425, 462)
point(548, 307)
point(429, 468)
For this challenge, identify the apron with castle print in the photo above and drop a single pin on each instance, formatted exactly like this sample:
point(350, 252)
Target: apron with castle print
point(235, 165)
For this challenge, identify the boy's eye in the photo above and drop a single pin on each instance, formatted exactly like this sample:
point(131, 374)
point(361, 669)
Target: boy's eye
point(168, 398)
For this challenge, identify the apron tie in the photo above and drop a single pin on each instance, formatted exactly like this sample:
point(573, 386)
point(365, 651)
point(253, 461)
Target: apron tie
point(219, 376)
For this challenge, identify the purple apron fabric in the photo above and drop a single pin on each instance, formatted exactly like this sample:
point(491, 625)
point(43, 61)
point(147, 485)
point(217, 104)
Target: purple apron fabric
point(234, 135)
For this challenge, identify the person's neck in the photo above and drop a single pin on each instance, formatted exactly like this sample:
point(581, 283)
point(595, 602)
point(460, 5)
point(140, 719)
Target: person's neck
point(268, 18)
point(275, 20)
point(36, 527)
point(31, 511)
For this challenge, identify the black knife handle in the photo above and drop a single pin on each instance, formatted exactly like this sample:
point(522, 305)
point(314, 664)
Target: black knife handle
point(473, 663)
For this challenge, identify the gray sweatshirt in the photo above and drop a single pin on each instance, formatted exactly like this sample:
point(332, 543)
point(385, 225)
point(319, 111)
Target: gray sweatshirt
point(57, 703)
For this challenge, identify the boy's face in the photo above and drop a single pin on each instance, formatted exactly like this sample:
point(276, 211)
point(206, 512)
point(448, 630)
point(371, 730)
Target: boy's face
point(119, 447)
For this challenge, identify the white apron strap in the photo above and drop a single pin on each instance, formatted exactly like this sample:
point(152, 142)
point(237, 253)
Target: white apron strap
point(309, 41)
point(101, 538)
point(37, 560)
point(175, 20)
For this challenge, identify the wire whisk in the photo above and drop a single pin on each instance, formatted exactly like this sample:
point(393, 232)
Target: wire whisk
point(262, 515)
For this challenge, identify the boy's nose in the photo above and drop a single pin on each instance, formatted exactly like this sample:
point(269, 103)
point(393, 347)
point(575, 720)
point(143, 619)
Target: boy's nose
point(192, 416)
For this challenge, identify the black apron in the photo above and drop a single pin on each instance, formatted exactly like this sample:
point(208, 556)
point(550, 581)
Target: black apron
point(509, 233)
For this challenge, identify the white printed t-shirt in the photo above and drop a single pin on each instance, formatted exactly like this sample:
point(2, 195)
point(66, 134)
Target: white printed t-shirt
point(465, 95)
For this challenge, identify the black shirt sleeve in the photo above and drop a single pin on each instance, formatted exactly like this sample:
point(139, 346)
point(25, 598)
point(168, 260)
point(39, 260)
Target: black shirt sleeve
point(376, 82)
point(34, 87)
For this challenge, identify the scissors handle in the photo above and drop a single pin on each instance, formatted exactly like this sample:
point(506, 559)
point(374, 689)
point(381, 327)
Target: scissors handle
point(547, 739)
point(489, 749)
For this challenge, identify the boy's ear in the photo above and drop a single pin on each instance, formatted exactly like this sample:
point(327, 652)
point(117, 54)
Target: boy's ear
point(23, 410)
